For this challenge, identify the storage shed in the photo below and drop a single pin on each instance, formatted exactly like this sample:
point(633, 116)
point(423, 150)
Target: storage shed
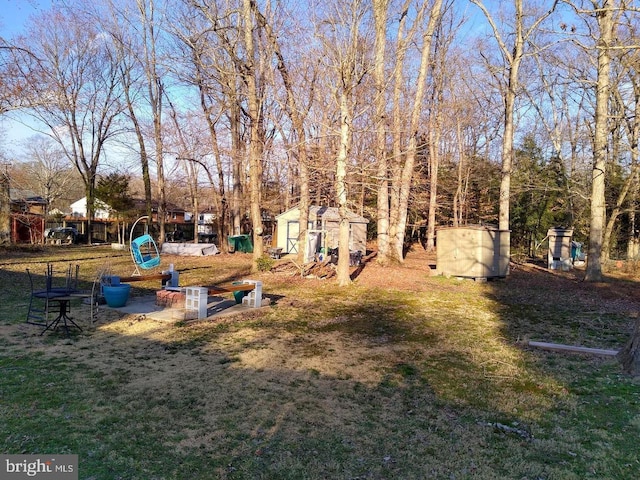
point(474, 251)
point(559, 254)
point(322, 231)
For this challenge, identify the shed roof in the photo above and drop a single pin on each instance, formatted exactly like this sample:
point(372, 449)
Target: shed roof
point(326, 213)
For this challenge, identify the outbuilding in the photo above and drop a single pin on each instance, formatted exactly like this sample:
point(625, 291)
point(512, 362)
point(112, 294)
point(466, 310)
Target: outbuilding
point(473, 251)
point(559, 255)
point(323, 230)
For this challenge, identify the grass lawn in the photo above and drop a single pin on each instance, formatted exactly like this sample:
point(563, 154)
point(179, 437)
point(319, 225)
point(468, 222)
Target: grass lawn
point(402, 375)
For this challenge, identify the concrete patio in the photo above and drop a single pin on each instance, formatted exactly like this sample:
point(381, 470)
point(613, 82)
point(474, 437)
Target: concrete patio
point(146, 305)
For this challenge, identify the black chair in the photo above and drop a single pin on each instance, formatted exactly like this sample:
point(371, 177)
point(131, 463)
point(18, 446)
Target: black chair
point(90, 295)
point(39, 300)
point(67, 285)
point(48, 288)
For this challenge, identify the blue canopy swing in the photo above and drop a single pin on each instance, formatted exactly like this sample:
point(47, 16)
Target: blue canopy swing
point(144, 251)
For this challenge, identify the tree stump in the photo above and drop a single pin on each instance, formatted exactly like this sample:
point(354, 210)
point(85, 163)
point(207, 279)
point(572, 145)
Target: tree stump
point(629, 355)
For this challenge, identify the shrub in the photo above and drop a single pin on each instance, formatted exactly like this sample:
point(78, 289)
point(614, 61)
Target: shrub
point(264, 263)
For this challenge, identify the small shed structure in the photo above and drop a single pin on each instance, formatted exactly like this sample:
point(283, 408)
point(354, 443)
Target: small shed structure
point(559, 254)
point(322, 231)
point(473, 251)
point(27, 216)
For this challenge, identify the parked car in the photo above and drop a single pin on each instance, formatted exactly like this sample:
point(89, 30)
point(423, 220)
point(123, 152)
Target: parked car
point(62, 235)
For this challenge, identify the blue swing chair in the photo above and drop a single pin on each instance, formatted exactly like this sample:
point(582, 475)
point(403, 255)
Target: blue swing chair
point(144, 251)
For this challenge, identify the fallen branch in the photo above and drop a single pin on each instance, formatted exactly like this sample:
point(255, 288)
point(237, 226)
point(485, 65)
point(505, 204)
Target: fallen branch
point(573, 349)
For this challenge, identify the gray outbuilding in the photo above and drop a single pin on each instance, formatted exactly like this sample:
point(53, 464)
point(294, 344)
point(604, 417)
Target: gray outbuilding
point(322, 230)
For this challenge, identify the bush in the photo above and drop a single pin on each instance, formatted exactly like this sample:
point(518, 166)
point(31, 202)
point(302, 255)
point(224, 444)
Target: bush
point(264, 263)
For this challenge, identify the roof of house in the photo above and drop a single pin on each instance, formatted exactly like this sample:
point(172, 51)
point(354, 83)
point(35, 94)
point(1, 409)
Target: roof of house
point(20, 195)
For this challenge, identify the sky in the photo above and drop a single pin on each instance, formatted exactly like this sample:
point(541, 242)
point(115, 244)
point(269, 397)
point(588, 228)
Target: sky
point(14, 14)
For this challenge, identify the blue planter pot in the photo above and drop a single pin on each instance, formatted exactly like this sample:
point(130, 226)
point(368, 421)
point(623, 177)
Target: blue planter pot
point(116, 295)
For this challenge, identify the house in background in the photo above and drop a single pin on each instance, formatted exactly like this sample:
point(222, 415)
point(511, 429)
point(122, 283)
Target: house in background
point(100, 211)
point(322, 229)
point(173, 214)
point(206, 224)
point(22, 214)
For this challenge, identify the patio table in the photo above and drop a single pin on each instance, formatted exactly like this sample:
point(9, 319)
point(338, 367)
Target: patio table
point(67, 322)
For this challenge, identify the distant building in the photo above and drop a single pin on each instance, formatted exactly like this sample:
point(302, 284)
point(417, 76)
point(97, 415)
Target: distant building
point(101, 210)
point(173, 214)
point(27, 212)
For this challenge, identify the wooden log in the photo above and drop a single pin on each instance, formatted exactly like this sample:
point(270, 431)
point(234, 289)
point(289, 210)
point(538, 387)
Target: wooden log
point(142, 278)
point(573, 349)
point(230, 288)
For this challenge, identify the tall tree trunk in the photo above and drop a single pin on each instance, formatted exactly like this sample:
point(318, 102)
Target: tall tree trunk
point(393, 168)
point(161, 184)
point(237, 155)
point(403, 188)
point(458, 197)
point(598, 204)
point(633, 132)
point(255, 142)
point(509, 103)
point(341, 190)
point(220, 200)
point(632, 245)
point(144, 159)
point(434, 164)
point(380, 12)
point(297, 122)
point(434, 135)
point(5, 209)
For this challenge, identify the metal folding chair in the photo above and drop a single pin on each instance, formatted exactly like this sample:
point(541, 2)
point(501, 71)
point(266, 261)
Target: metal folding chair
point(92, 295)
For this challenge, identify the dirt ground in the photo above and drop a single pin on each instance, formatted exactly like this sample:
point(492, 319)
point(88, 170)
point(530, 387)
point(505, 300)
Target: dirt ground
point(620, 289)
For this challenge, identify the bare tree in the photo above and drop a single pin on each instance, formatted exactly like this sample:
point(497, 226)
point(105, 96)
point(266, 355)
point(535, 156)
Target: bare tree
point(150, 20)
point(72, 79)
point(389, 171)
point(122, 28)
point(632, 126)
point(236, 32)
point(402, 179)
point(250, 74)
point(512, 47)
point(624, 124)
point(441, 79)
point(606, 14)
point(46, 171)
point(381, 15)
point(196, 70)
point(342, 38)
point(297, 115)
